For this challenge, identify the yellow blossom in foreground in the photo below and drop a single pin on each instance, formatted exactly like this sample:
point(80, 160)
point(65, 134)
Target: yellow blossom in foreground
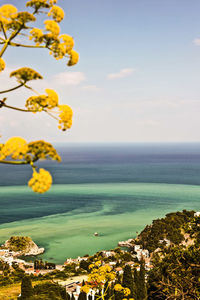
point(37, 4)
point(65, 117)
point(41, 181)
point(52, 2)
point(2, 64)
point(118, 287)
point(16, 147)
point(25, 74)
point(85, 288)
point(7, 11)
point(37, 35)
point(73, 59)
point(68, 42)
point(52, 26)
point(41, 102)
point(57, 13)
point(126, 291)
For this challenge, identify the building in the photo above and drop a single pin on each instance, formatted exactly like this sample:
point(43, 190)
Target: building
point(197, 214)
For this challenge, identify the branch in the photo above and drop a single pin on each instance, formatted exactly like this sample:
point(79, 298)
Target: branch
point(26, 46)
point(2, 104)
point(4, 32)
point(9, 162)
point(12, 89)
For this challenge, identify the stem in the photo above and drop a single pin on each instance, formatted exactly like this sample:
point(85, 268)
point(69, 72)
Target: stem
point(13, 162)
point(3, 29)
point(16, 108)
point(50, 114)
point(3, 49)
point(12, 89)
point(30, 88)
point(26, 46)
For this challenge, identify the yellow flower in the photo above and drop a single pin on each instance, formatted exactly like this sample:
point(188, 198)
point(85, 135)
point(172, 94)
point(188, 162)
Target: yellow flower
point(85, 288)
point(41, 102)
point(37, 35)
point(65, 116)
point(41, 181)
point(52, 26)
point(37, 4)
point(118, 287)
point(68, 42)
point(126, 291)
point(91, 266)
point(52, 98)
point(2, 64)
point(16, 147)
point(98, 263)
point(57, 13)
point(7, 11)
point(25, 74)
point(73, 59)
point(52, 2)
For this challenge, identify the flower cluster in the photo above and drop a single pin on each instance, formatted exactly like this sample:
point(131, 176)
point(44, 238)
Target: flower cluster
point(119, 288)
point(2, 64)
point(7, 13)
point(41, 150)
point(57, 13)
point(37, 4)
point(100, 274)
point(85, 288)
point(41, 102)
point(65, 117)
point(16, 147)
point(53, 27)
point(73, 58)
point(25, 74)
point(41, 181)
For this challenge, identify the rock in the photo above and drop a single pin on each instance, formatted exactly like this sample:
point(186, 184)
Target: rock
point(22, 245)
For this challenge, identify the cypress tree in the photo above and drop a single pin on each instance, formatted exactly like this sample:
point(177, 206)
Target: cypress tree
point(68, 296)
point(127, 280)
point(72, 297)
point(142, 285)
point(82, 296)
point(135, 285)
point(26, 288)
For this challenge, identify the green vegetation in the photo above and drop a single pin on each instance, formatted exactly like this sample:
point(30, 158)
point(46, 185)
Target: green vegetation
point(166, 228)
point(26, 288)
point(19, 243)
point(127, 280)
point(176, 276)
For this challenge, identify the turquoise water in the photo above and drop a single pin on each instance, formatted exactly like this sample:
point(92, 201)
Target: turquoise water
point(114, 191)
point(125, 209)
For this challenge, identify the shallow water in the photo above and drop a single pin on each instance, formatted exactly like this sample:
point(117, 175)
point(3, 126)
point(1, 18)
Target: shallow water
point(115, 211)
point(112, 189)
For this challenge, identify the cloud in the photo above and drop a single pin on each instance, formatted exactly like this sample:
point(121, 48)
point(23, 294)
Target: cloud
point(196, 42)
point(121, 74)
point(90, 88)
point(69, 78)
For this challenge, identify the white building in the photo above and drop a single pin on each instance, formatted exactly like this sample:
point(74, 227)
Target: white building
point(197, 214)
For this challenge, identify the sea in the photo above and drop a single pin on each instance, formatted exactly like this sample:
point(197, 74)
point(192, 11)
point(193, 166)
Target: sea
point(112, 189)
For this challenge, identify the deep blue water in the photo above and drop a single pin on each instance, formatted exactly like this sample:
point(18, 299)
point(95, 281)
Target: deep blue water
point(86, 164)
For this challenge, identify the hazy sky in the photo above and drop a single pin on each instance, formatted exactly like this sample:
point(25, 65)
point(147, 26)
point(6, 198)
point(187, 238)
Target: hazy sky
point(138, 78)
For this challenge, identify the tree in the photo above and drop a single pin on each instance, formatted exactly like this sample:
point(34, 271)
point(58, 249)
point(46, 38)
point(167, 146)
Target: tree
point(127, 280)
point(82, 296)
point(15, 24)
point(26, 288)
point(140, 290)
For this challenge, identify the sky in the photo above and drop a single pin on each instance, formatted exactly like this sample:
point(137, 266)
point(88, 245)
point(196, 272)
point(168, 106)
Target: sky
point(137, 79)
